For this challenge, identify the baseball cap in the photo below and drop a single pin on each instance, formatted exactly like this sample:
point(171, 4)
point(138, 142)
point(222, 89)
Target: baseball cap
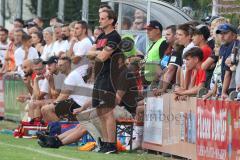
point(53, 59)
point(224, 28)
point(154, 24)
point(202, 30)
point(208, 20)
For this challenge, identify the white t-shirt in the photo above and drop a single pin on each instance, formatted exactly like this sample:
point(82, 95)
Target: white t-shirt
point(19, 55)
point(42, 86)
point(47, 52)
point(81, 48)
point(58, 82)
point(3, 50)
point(75, 81)
point(60, 46)
point(188, 47)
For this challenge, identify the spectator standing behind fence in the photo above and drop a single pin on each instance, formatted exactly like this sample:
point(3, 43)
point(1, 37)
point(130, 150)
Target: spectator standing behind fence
point(200, 37)
point(228, 35)
point(9, 57)
point(26, 51)
point(39, 22)
point(60, 46)
point(18, 23)
point(214, 62)
point(32, 27)
point(37, 42)
point(3, 45)
point(194, 59)
point(48, 48)
point(184, 37)
point(81, 47)
point(140, 39)
point(174, 62)
point(72, 38)
point(156, 49)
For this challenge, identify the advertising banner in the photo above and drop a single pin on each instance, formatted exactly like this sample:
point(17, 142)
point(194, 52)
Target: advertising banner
point(218, 129)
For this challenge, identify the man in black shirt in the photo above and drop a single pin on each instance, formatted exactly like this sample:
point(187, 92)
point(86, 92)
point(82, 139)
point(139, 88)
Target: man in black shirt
point(105, 53)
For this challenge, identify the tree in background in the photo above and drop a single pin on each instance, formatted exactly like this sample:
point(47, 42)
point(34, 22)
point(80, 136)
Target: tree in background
point(72, 10)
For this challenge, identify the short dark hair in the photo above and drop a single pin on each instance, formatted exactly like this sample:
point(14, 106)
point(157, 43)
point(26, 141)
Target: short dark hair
point(65, 25)
point(186, 28)
point(40, 35)
point(105, 6)
point(57, 19)
point(20, 30)
point(173, 28)
point(19, 20)
point(128, 21)
point(194, 52)
point(37, 61)
point(193, 23)
point(4, 30)
point(39, 18)
point(111, 15)
point(26, 37)
point(83, 24)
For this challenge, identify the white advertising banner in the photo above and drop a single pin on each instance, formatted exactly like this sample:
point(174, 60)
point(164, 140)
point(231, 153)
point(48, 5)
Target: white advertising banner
point(153, 120)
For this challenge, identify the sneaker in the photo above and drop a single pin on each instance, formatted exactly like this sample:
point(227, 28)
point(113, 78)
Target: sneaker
point(53, 142)
point(42, 139)
point(103, 147)
point(110, 149)
point(88, 146)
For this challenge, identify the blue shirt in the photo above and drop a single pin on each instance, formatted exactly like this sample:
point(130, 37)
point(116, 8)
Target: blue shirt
point(225, 51)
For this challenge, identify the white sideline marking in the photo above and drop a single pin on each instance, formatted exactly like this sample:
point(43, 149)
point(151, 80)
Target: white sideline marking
point(39, 151)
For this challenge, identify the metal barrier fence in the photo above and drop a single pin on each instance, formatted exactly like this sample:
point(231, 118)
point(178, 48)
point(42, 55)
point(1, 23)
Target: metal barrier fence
point(13, 87)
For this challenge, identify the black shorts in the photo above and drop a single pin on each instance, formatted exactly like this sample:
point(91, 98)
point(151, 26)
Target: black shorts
point(64, 109)
point(103, 93)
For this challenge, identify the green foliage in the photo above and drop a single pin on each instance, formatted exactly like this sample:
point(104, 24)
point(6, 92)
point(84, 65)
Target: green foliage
point(72, 10)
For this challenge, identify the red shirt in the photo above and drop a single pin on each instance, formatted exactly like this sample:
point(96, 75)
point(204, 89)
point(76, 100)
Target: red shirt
point(207, 51)
point(200, 77)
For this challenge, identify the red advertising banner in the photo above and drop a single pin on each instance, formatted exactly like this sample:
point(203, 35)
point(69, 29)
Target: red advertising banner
point(218, 129)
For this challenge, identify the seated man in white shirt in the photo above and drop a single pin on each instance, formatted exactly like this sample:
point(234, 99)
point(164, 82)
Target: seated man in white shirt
point(40, 92)
point(26, 51)
point(50, 85)
point(64, 64)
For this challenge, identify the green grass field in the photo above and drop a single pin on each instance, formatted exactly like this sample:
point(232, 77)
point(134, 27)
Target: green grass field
point(28, 149)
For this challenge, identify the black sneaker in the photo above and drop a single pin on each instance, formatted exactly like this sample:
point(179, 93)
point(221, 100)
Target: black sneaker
point(42, 139)
point(53, 142)
point(110, 149)
point(103, 147)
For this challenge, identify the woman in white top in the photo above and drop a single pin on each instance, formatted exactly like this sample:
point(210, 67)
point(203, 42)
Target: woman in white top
point(37, 39)
point(48, 38)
